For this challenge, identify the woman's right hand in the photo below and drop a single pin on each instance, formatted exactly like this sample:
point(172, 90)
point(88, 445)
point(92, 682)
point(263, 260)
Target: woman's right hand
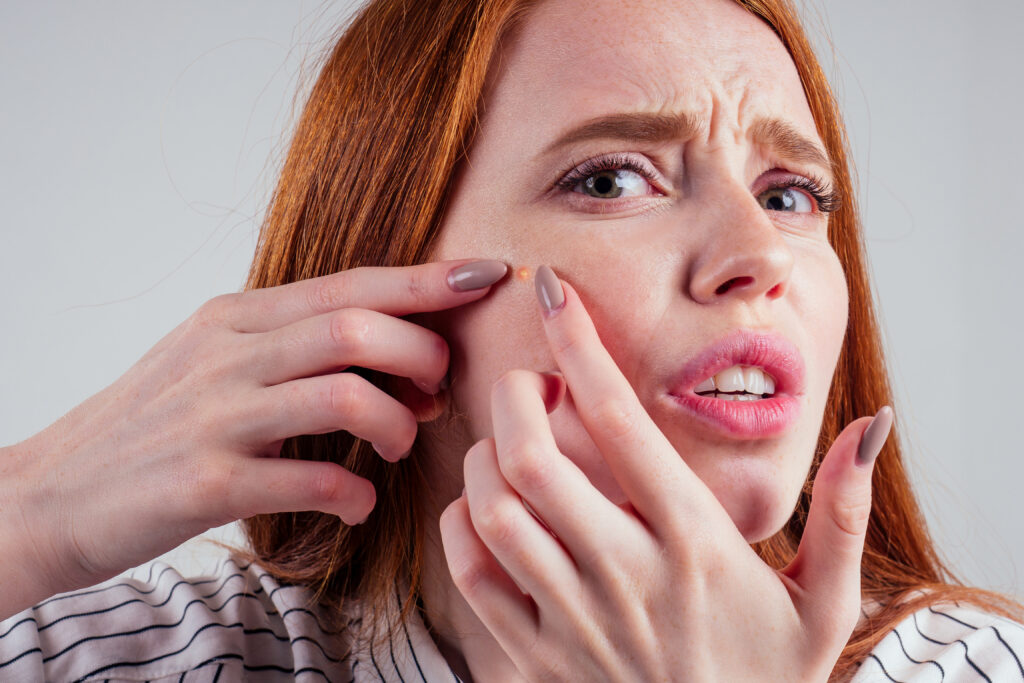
point(187, 439)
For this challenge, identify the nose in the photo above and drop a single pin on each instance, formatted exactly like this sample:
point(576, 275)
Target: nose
point(744, 256)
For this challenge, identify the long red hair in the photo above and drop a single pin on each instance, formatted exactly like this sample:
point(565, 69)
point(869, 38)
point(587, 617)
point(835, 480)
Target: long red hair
point(388, 123)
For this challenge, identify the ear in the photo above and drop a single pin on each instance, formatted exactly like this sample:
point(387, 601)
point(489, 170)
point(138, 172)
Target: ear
point(423, 406)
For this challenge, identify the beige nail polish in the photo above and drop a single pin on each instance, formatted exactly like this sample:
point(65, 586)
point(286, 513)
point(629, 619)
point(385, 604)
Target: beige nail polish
point(549, 290)
point(874, 436)
point(476, 275)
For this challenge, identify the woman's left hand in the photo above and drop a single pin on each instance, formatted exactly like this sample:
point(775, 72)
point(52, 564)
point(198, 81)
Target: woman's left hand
point(664, 588)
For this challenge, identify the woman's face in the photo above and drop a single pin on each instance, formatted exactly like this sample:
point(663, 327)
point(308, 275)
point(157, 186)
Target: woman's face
point(673, 238)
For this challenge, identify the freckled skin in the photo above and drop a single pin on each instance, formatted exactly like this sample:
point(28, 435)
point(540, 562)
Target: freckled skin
point(647, 271)
point(637, 269)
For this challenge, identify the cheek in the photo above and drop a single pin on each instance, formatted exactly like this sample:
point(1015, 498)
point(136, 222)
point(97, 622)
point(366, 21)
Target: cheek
point(826, 314)
point(500, 333)
point(505, 331)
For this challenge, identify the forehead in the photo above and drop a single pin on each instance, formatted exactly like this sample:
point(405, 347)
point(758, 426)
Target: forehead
point(575, 59)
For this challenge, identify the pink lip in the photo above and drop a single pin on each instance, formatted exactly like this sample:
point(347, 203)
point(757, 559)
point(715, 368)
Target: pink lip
point(745, 419)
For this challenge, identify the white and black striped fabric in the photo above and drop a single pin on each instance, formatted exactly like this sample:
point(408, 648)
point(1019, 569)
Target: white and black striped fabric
point(948, 643)
point(241, 625)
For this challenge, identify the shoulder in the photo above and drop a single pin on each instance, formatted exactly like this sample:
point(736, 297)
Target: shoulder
point(947, 642)
point(156, 624)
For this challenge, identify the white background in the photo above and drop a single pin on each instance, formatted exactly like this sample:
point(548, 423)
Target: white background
point(140, 140)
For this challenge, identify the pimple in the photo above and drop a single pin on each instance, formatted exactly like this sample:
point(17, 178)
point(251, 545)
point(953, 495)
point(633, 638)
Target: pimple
point(523, 274)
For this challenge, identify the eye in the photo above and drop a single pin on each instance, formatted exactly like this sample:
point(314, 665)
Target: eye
point(608, 178)
point(785, 199)
point(611, 184)
point(799, 194)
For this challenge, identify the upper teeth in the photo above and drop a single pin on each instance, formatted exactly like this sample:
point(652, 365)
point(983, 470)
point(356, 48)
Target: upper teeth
point(750, 379)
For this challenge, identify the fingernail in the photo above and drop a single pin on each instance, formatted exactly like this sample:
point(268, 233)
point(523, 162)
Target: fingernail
point(427, 388)
point(874, 437)
point(549, 290)
point(356, 522)
point(381, 453)
point(476, 275)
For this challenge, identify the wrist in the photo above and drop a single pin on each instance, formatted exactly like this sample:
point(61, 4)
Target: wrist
point(27, 559)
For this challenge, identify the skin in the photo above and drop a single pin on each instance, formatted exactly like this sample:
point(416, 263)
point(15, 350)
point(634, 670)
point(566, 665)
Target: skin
point(648, 266)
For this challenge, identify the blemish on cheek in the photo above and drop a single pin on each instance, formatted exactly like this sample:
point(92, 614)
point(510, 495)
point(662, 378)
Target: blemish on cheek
point(523, 273)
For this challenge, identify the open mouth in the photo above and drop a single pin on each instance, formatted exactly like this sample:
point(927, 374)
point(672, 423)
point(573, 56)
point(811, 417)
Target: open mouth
point(738, 383)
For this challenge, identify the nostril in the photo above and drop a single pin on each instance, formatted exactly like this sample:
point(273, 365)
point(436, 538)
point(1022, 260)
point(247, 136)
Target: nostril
point(738, 281)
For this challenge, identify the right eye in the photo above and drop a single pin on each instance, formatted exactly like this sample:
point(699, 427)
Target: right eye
point(611, 184)
point(608, 178)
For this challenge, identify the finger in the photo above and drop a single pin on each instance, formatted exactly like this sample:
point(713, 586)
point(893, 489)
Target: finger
point(536, 470)
point(508, 614)
point(395, 291)
point(268, 485)
point(519, 542)
point(827, 564)
point(640, 457)
point(351, 336)
point(328, 403)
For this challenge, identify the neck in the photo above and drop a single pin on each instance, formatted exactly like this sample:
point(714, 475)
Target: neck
point(463, 640)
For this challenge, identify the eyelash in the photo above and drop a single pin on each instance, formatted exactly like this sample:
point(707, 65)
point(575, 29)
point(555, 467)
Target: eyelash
point(826, 199)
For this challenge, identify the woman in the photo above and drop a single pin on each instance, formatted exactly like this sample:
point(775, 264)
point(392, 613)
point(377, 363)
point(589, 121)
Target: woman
point(638, 424)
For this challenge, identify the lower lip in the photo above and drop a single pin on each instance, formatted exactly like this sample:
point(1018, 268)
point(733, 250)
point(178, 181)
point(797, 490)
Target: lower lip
point(759, 419)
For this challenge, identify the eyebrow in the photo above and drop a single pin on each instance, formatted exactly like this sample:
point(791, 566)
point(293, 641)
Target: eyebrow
point(784, 138)
point(654, 127)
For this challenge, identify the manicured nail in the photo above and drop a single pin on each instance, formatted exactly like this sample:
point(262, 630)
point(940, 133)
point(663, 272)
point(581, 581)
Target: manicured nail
point(476, 275)
point(549, 290)
point(874, 437)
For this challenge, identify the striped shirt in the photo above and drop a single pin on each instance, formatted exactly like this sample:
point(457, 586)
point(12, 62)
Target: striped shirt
point(241, 624)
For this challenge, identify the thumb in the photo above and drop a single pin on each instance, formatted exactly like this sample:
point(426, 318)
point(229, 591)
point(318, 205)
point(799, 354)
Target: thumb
point(827, 563)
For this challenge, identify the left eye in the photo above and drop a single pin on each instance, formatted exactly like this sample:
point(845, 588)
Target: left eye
point(785, 199)
point(611, 183)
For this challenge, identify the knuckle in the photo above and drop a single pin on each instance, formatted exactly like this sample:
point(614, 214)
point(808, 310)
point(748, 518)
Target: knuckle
point(419, 289)
point(330, 293)
point(326, 487)
point(527, 467)
point(215, 480)
point(349, 330)
point(616, 418)
point(214, 311)
point(468, 573)
point(498, 522)
point(851, 514)
point(343, 395)
point(564, 344)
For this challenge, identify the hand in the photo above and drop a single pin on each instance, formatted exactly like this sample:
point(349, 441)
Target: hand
point(664, 587)
point(187, 439)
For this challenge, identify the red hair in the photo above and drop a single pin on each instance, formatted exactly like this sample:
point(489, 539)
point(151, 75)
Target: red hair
point(389, 122)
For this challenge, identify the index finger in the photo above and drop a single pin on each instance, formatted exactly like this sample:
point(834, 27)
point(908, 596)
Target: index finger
point(396, 291)
point(640, 457)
